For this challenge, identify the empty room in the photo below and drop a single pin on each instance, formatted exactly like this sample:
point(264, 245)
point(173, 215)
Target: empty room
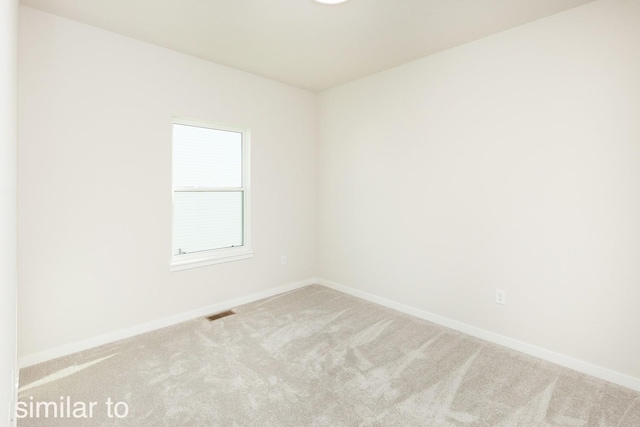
point(320, 213)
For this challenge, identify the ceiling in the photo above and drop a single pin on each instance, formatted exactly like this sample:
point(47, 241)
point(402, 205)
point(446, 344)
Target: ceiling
point(303, 43)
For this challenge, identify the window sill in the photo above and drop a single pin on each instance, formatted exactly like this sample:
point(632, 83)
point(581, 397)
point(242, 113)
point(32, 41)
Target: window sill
point(204, 260)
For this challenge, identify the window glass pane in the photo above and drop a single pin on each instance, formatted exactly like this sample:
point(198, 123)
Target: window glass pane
point(207, 220)
point(205, 157)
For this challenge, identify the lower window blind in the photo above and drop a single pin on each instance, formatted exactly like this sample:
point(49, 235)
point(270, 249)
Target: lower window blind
point(207, 220)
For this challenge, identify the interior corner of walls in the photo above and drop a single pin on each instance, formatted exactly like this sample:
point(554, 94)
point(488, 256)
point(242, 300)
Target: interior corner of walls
point(8, 205)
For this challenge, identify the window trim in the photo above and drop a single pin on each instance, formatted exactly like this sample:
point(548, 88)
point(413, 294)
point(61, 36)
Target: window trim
point(215, 256)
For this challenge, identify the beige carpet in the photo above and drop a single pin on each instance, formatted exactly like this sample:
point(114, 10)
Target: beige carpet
point(317, 357)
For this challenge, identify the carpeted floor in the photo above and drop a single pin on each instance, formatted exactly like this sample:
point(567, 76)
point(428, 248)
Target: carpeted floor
point(315, 357)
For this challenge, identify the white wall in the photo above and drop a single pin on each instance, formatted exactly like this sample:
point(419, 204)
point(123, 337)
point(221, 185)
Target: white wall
point(512, 162)
point(95, 181)
point(8, 139)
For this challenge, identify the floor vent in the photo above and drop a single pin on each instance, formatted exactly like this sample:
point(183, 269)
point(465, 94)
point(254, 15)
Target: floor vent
point(220, 315)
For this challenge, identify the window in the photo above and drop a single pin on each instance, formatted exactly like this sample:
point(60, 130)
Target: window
point(210, 194)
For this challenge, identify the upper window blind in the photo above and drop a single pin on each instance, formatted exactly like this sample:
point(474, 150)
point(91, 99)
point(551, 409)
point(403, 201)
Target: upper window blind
point(205, 157)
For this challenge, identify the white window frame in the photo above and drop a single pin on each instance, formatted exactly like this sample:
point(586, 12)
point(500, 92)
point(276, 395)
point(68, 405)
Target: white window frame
point(215, 256)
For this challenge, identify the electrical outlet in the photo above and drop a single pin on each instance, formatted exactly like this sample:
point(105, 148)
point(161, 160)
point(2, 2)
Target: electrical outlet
point(501, 296)
point(283, 260)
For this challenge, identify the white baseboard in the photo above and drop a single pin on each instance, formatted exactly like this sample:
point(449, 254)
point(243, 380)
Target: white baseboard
point(548, 355)
point(34, 359)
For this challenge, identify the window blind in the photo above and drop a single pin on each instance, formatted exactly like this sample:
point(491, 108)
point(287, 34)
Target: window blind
point(208, 199)
point(206, 157)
